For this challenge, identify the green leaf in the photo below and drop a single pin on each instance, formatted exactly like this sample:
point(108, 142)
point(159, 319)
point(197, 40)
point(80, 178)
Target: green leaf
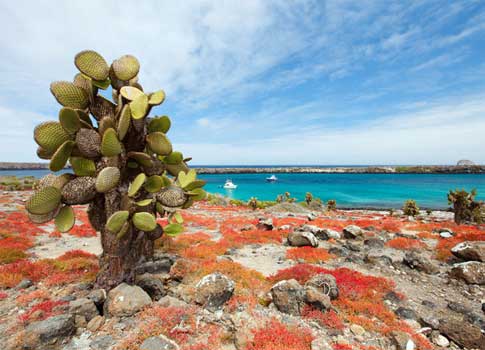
point(136, 184)
point(173, 229)
point(144, 202)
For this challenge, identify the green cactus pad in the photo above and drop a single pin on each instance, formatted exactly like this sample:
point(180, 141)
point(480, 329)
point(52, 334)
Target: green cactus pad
point(124, 122)
point(101, 107)
point(136, 184)
point(102, 84)
point(43, 153)
point(159, 208)
point(50, 135)
point(144, 202)
point(54, 180)
point(185, 178)
point(153, 183)
point(65, 219)
point(130, 93)
point(175, 169)
point(173, 229)
point(139, 107)
point(69, 119)
point(88, 142)
point(172, 197)
point(110, 146)
point(126, 67)
point(141, 158)
point(144, 221)
point(159, 143)
point(161, 124)
point(92, 64)
point(197, 194)
point(43, 218)
point(195, 184)
point(105, 124)
point(189, 203)
point(70, 95)
point(107, 179)
point(44, 201)
point(174, 158)
point(80, 190)
point(156, 98)
point(84, 116)
point(82, 166)
point(123, 231)
point(117, 220)
point(60, 158)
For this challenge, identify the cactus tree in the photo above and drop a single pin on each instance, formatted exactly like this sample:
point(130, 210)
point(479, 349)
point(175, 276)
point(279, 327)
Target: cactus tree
point(123, 165)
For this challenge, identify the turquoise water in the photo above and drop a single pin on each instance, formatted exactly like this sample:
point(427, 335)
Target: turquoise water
point(350, 190)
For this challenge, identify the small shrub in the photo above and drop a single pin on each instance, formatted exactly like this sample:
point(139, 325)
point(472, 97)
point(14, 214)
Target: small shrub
point(253, 203)
point(308, 198)
point(465, 207)
point(331, 205)
point(410, 208)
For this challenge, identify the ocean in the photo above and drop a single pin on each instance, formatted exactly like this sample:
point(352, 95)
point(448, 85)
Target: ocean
point(349, 190)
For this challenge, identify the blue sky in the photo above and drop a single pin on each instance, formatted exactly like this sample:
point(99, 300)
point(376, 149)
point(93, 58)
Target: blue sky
point(267, 82)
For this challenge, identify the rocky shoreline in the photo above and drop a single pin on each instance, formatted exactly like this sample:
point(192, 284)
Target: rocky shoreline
point(422, 169)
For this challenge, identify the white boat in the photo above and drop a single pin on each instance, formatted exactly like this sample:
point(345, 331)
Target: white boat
point(272, 178)
point(229, 185)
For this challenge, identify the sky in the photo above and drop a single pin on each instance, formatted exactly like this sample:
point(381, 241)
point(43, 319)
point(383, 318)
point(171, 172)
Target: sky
point(267, 82)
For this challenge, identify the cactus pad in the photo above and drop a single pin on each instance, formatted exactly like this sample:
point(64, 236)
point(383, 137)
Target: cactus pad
point(174, 158)
point(161, 124)
point(59, 159)
point(117, 220)
point(107, 179)
point(54, 180)
point(154, 183)
point(130, 93)
point(110, 146)
point(141, 158)
point(69, 120)
point(105, 124)
point(195, 184)
point(144, 202)
point(44, 201)
point(43, 218)
point(50, 135)
point(101, 107)
point(88, 142)
point(136, 184)
point(92, 64)
point(43, 153)
point(159, 143)
point(197, 194)
point(156, 98)
point(185, 178)
point(65, 219)
point(172, 197)
point(175, 169)
point(82, 166)
point(102, 84)
point(124, 122)
point(139, 107)
point(80, 190)
point(144, 221)
point(126, 67)
point(70, 95)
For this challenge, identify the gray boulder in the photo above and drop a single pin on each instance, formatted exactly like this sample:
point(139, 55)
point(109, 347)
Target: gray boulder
point(474, 250)
point(288, 296)
point(302, 239)
point(50, 329)
point(152, 285)
point(420, 263)
point(352, 232)
point(214, 290)
point(83, 307)
point(472, 272)
point(325, 283)
point(126, 300)
point(160, 342)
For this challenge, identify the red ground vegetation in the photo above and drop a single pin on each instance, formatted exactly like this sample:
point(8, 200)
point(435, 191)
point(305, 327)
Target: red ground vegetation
point(405, 243)
point(308, 254)
point(168, 320)
point(327, 319)
point(71, 267)
point(277, 336)
point(443, 248)
point(41, 311)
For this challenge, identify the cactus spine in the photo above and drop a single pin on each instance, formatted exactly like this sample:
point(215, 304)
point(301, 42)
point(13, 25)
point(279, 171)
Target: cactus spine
point(123, 164)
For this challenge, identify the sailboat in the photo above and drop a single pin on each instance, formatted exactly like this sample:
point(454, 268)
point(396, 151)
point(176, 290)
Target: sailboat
point(272, 178)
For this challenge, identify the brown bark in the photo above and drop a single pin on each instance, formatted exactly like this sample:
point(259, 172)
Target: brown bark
point(121, 256)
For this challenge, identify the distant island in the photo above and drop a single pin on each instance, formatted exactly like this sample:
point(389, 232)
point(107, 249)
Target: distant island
point(421, 169)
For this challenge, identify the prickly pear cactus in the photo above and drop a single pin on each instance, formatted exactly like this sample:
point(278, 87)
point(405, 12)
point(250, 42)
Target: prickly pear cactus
point(123, 164)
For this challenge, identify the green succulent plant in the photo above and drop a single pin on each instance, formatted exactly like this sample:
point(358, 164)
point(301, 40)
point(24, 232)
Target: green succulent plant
point(123, 164)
